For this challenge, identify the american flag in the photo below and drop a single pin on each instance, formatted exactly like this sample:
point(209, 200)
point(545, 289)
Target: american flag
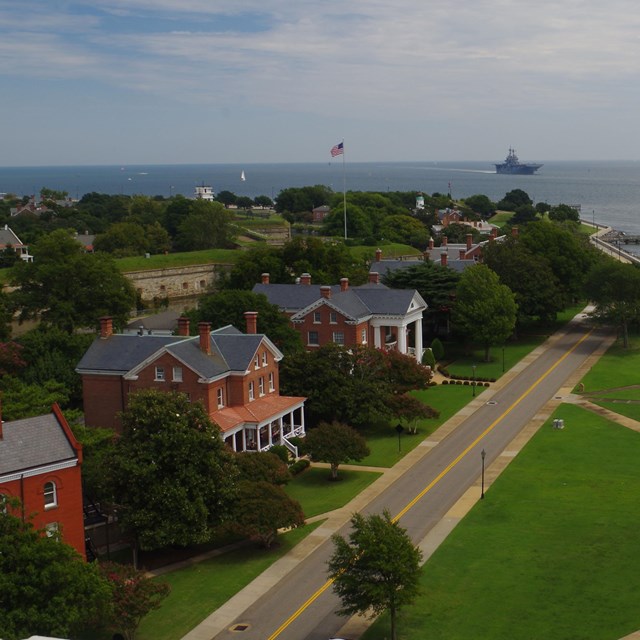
point(337, 150)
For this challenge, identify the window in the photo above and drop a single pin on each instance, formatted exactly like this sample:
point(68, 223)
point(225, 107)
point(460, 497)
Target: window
point(51, 529)
point(177, 374)
point(272, 386)
point(333, 317)
point(338, 337)
point(50, 495)
point(256, 362)
point(160, 374)
point(313, 338)
point(251, 392)
point(220, 398)
point(265, 360)
point(364, 336)
point(317, 318)
point(261, 386)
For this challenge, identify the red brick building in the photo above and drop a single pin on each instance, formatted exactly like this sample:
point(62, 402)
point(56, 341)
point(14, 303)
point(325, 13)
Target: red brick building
point(371, 314)
point(40, 463)
point(233, 374)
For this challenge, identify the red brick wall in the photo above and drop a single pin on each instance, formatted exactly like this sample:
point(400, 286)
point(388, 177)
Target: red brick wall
point(326, 329)
point(103, 398)
point(68, 512)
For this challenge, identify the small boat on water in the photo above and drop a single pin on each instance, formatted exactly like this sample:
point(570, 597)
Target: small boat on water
point(513, 166)
point(242, 177)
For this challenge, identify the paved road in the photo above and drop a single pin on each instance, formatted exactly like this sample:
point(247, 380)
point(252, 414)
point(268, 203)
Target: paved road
point(429, 481)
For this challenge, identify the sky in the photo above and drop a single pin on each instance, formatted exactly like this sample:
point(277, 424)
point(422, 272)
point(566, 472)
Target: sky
point(241, 81)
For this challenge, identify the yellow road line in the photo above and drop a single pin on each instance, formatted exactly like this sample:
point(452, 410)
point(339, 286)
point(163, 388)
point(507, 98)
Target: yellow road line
point(437, 479)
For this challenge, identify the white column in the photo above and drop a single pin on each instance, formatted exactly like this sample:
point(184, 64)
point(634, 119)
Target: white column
point(377, 342)
point(302, 420)
point(258, 445)
point(270, 432)
point(418, 331)
point(402, 339)
point(244, 439)
point(281, 425)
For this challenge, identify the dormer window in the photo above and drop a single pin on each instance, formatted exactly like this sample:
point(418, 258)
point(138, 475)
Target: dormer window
point(159, 374)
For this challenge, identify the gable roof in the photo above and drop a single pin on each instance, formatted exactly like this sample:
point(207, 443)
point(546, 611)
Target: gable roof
point(121, 354)
point(8, 237)
point(34, 442)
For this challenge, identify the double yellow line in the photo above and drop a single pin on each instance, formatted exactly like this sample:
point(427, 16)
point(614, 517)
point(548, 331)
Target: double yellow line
point(439, 477)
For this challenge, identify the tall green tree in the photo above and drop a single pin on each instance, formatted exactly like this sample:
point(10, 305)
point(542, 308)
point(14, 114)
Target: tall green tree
point(614, 288)
point(46, 588)
point(68, 288)
point(208, 226)
point(375, 569)
point(173, 478)
point(485, 309)
point(335, 443)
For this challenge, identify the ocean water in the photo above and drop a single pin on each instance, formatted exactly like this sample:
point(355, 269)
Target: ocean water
point(608, 192)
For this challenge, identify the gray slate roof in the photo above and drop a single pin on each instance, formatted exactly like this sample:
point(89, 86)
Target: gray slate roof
point(231, 350)
point(8, 237)
point(33, 442)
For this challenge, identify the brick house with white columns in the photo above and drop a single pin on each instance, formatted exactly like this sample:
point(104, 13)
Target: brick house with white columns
point(233, 374)
point(370, 314)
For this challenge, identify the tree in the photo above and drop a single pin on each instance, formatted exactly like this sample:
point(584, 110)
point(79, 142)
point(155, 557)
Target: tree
point(376, 569)
point(523, 215)
point(226, 197)
point(208, 226)
point(481, 205)
point(262, 508)
point(229, 306)
point(244, 202)
point(68, 288)
point(172, 477)
point(410, 409)
point(458, 232)
point(122, 239)
point(530, 277)
point(614, 288)
point(485, 309)
point(262, 466)
point(335, 443)
point(563, 212)
point(404, 229)
point(45, 586)
point(134, 595)
point(263, 201)
point(514, 199)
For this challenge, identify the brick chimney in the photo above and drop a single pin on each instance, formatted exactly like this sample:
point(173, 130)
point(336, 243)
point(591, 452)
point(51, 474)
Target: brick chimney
point(430, 244)
point(251, 320)
point(469, 241)
point(443, 258)
point(204, 329)
point(514, 232)
point(305, 279)
point(265, 278)
point(183, 326)
point(374, 277)
point(494, 233)
point(462, 252)
point(106, 327)
point(378, 255)
point(444, 241)
point(325, 291)
point(344, 284)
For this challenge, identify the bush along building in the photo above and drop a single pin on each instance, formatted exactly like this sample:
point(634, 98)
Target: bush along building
point(233, 374)
point(370, 314)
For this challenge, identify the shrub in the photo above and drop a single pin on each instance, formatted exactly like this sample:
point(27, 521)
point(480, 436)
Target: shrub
point(281, 451)
point(437, 348)
point(428, 358)
point(299, 466)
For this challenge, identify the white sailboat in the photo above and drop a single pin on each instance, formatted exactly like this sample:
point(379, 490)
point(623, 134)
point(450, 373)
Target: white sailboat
point(242, 177)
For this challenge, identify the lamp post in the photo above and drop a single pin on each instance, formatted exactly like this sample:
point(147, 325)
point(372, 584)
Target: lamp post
point(473, 367)
point(399, 430)
point(482, 455)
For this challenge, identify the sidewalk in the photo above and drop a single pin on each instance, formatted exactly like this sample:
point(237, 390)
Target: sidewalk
point(223, 617)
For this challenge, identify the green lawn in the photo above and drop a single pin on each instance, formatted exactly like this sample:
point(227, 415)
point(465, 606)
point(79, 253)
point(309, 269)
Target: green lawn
point(393, 250)
point(552, 552)
point(173, 260)
point(200, 589)
point(317, 493)
point(619, 367)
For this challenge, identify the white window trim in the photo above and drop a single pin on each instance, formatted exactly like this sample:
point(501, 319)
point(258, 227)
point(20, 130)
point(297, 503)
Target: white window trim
point(160, 375)
point(261, 386)
point(252, 394)
point(220, 396)
point(272, 383)
point(333, 317)
point(265, 359)
point(176, 374)
point(319, 320)
point(317, 342)
point(335, 334)
point(54, 503)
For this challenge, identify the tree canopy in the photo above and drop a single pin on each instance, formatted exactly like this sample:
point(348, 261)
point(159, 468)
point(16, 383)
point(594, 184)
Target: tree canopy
point(485, 309)
point(173, 479)
point(375, 569)
point(207, 226)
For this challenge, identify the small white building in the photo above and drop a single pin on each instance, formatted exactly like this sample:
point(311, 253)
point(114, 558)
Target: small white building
point(205, 192)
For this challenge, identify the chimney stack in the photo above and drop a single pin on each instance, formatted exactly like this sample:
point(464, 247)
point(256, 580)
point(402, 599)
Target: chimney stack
point(265, 278)
point(430, 244)
point(204, 330)
point(305, 279)
point(514, 232)
point(325, 291)
point(444, 241)
point(106, 327)
point(183, 326)
point(469, 241)
point(494, 233)
point(462, 252)
point(443, 258)
point(344, 284)
point(251, 320)
point(374, 277)
point(378, 255)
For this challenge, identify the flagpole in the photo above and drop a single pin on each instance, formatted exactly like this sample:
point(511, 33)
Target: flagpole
point(344, 190)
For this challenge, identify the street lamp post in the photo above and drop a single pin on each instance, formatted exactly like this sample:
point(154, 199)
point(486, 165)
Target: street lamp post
point(474, 380)
point(399, 430)
point(482, 455)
